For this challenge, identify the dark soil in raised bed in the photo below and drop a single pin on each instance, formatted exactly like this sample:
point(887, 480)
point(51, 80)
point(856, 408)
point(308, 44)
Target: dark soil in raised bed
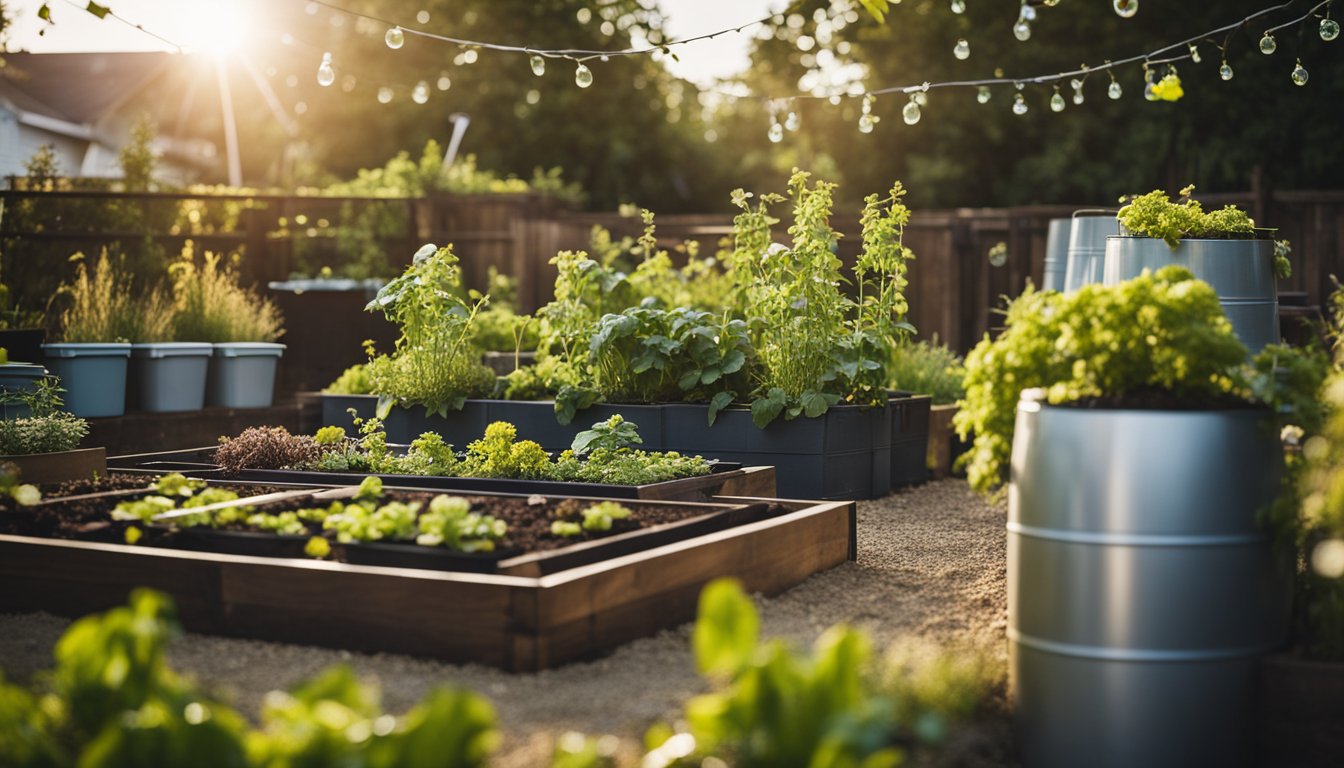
point(529, 519)
point(89, 518)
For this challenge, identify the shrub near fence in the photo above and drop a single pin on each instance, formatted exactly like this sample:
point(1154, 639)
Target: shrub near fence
point(953, 289)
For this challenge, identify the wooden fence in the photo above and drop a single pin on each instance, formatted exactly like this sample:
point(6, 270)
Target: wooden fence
point(953, 292)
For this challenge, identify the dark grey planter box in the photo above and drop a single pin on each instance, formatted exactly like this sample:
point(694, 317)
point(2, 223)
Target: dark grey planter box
point(844, 454)
point(909, 438)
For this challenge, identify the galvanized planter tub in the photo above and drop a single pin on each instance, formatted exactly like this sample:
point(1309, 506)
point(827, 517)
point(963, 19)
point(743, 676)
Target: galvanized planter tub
point(1056, 254)
point(1240, 271)
point(1141, 591)
point(1087, 247)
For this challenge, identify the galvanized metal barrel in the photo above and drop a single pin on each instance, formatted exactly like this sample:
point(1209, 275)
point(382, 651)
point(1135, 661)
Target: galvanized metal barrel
point(1087, 247)
point(1240, 271)
point(1140, 589)
point(1056, 254)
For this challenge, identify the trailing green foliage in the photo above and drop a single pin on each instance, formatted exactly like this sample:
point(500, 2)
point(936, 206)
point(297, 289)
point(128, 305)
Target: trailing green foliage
point(46, 429)
point(113, 700)
point(1160, 334)
point(435, 364)
point(834, 707)
point(927, 369)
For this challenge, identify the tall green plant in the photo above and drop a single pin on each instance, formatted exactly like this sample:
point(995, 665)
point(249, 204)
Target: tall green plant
point(435, 364)
point(212, 306)
point(105, 307)
point(816, 345)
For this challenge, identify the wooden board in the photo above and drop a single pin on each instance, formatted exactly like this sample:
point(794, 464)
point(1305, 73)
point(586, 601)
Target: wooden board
point(515, 623)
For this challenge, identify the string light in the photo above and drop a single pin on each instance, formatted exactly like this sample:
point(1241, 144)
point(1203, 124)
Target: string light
point(326, 74)
point(958, 6)
point(583, 76)
point(1267, 44)
point(910, 113)
point(538, 65)
point(791, 121)
point(394, 38)
point(1057, 101)
point(1299, 74)
point(420, 94)
point(1168, 87)
point(1329, 29)
point(962, 50)
point(1125, 9)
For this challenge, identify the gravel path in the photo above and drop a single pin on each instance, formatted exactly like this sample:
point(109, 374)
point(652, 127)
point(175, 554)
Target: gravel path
point(931, 569)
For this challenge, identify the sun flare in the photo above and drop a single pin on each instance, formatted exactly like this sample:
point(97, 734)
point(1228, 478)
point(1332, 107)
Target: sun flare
point(216, 27)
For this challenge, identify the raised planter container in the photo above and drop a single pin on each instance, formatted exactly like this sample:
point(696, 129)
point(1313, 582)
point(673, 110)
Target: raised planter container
point(18, 377)
point(169, 376)
point(325, 329)
point(909, 438)
point(1240, 271)
point(518, 623)
point(726, 479)
point(93, 376)
point(1056, 254)
point(844, 454)
point(1141, 590)
point(242, 374)
point(60, 466)
point(1086, 258)
point(504, 363)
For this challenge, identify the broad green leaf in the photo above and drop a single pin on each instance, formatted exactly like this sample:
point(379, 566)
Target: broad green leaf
point(719, 402)
point(97, 10)
point(44, 13)
point(764, 410)
point(726, 630)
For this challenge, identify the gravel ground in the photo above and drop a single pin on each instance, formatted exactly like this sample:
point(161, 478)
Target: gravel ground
point(931, 570)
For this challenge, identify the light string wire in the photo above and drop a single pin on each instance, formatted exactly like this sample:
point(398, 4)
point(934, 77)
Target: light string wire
point(128, 23)
point(1149, 59)
point(573, 54)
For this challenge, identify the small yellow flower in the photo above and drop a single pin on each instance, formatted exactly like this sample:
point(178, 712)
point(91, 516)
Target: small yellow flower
point(1169, 88)
point(133, 535)
point(317, 547)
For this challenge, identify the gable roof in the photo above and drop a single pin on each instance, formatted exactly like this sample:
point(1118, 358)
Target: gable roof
point(78, 88)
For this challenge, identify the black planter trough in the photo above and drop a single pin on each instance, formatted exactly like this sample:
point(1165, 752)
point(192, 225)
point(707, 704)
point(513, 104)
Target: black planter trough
point(844, 454)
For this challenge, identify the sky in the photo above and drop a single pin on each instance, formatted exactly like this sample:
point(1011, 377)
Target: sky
point(180, 21)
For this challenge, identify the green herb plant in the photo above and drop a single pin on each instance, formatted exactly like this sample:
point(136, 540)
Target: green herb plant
point(103, 306)
point(352, 381)
point(836, 706)
point(435, 364)
point(929, 369)
point(46, 429)
point(1155, 215)
point(114, 700)
point(1158, 337)
point(816, 345)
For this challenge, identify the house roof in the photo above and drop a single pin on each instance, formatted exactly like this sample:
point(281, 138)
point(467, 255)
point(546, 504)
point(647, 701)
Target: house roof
point(78, 88)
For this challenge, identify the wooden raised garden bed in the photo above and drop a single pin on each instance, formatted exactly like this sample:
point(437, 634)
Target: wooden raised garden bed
point(515, 622)
point(725, 480)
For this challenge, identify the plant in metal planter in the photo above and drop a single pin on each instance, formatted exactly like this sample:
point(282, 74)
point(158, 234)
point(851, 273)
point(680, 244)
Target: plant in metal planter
point(435, 364)
point(1144, 464)
point(1222, 248)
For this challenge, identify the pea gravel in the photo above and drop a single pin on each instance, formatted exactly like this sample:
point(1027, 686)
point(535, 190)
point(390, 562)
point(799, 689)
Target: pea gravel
point(931, 571)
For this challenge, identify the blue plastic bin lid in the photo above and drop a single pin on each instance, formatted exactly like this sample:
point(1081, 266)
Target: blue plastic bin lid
point(72, 349)
point(249, 349)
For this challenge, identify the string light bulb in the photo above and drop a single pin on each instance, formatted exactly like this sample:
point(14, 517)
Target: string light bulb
point(384, 95)
point(326, 75)
point(791, 121)
point(982, 94)
point(962, 50)
point(1019, 104)
point(469, 56)
point(1057, 101)
point(583, 76)
point(1225, 71)
point(1329, 29)
point(776, 133)
point(1022, 29)
point(444, 83)
point(420, 94)
point(394, 38)
point(1194, 53)
point(1148, 84)
point(1077, 86)
point(1114, 91)
point(958, 6)
point(1125, 9)
point(538, 65)
point(1267, 44)
point(1299, 74)
point(910, 113)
